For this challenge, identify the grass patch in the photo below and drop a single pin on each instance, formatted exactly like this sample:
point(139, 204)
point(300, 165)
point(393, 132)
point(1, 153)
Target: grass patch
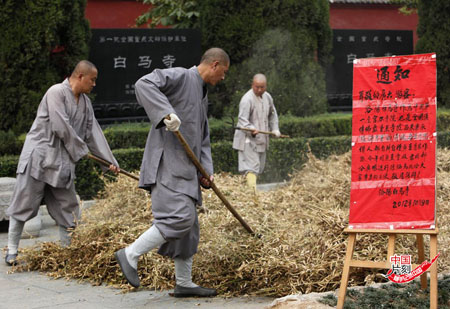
point(394, 296)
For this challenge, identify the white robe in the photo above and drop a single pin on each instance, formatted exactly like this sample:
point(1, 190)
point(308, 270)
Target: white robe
point(255, 113)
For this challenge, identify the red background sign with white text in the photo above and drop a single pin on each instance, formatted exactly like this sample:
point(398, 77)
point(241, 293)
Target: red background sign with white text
point(393, 174)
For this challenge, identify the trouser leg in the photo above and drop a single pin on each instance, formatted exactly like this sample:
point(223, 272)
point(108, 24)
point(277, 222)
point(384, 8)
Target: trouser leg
point(63, 207)
point(26, 198)
point(64, 236)
point(183, 272)
point(150, 239)
point(14, 234)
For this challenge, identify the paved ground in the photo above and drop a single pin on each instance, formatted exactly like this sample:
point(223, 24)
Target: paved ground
point(35, 290)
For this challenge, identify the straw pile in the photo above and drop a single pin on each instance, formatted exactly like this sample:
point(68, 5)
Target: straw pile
point(302, 248)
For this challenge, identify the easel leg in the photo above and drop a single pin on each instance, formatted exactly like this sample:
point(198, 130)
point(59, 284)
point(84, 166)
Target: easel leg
point(391, 248)
point(433, 273)
point(421, 251)
point(346, 270)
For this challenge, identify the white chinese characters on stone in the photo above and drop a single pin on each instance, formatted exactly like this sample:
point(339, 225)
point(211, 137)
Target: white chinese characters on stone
point(168, 60)
point(120, 62)
point(145, 62)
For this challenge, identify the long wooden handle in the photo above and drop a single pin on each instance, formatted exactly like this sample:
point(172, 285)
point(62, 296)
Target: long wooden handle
point(200, 168)
point(107, 164)
point(263, 132)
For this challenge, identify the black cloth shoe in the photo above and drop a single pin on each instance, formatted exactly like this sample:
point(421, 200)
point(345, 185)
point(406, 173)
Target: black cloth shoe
point(11, 259)
point(128, 271)
point(181, 291)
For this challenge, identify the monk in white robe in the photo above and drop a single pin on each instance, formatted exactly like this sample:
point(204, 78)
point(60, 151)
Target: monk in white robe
point(166, 169)
point(257, 113)
point(64, 131)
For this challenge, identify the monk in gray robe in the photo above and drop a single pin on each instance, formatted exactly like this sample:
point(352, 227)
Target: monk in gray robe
point(64, 131)
point(175, 99)
point(256, 112)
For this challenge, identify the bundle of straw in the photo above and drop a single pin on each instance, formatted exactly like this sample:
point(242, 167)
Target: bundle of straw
point(302, 247)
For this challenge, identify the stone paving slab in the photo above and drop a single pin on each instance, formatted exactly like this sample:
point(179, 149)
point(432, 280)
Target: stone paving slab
point(7, 183)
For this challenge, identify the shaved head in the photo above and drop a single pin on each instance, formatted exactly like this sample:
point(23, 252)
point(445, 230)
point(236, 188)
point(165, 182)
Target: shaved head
point(259, 78)
point(259, 84)
point(83, 77)
point(215, 54)
point(83, 67)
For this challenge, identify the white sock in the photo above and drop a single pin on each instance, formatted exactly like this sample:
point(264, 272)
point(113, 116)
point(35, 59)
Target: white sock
point(151, 238)
point(183, 272)
point(14, 233)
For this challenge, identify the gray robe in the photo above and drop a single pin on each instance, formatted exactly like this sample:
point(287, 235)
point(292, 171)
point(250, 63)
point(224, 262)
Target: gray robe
point(165, 162)
point(62, 133)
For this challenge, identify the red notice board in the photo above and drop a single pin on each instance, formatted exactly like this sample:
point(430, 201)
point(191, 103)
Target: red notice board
point(393, 174)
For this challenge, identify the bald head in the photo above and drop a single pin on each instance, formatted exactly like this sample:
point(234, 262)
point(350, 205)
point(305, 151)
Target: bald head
point(214, 65)
point(83, 77)
point(215, 54)
point(260, 78)
point(84, 67)
point(259, 84)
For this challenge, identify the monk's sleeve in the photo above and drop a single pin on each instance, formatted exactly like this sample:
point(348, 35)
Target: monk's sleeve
point(273, 116)
point(205, 156)
point(150, 95)
point(61, 127)
point(99, 146)
point(244, 115)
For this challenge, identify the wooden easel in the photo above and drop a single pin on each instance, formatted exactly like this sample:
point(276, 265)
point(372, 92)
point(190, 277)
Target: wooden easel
point(350, 262)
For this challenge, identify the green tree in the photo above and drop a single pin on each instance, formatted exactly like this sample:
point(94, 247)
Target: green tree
point(175, 13)
point(41, 41)
point(433, 30)
point(290, 76)
point(242, 28)
point(407, 6)
point(73, 36)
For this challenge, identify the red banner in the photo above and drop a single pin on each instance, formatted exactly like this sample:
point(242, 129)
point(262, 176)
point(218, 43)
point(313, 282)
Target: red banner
point(393, 175)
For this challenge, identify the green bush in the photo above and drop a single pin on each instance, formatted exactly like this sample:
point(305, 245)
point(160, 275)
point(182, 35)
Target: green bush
point(88, 182)
point(283, 158)
point(323, 147)
point(315, 126)
point(224, 157)
point(129, 159)
point(443, 120)
point(8, 166)
point(127, 135)
point(134, 135)
point(221, 129)
point(9, 144)
point(321, 125)
point(443, 139)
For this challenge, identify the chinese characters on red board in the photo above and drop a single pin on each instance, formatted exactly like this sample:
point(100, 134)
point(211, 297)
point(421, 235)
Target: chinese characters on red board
point(394, 142)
